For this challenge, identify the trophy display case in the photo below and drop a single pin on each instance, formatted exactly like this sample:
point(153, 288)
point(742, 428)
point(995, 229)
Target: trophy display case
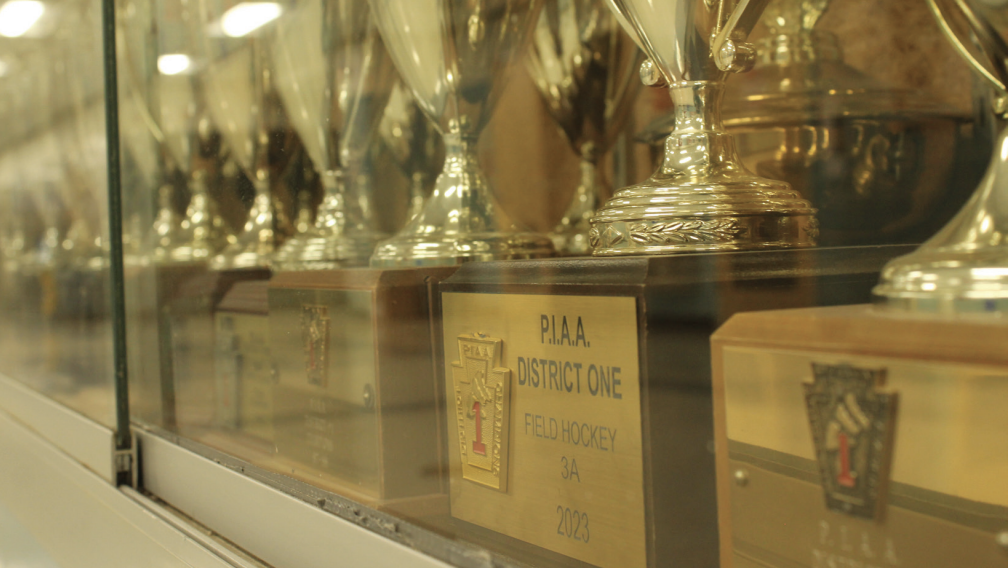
point(558, 283)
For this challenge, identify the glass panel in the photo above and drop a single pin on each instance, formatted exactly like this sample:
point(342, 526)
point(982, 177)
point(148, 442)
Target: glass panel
point(374, 247)
point(55, 313)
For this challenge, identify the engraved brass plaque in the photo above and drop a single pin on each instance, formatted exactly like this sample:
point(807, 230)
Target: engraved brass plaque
point(324, 413)
point(946, 503)
point(570, 477)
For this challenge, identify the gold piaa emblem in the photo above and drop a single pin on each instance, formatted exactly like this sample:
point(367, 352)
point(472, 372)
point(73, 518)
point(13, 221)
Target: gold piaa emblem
point(482, 408)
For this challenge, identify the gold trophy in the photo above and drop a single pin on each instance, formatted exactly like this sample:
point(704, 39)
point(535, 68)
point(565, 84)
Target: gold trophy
point(964, 268)
point(455, 58)
point(701, 198)
point(583, 66)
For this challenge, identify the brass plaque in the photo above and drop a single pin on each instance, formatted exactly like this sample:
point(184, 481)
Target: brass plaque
point(556, 458)
point(324, 415)
point(942, 502)
point(243, 373)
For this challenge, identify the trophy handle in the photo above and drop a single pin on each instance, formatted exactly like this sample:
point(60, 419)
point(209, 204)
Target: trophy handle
point(729, 50)
point(958, 20)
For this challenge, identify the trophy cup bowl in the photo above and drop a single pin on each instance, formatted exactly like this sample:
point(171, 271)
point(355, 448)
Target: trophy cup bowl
point(334, 77)
point(455, 57)
point(701, 198)
point(240, 84)
point(413, 143)
point(585, 68)
point(964, 267)
point(171, 107)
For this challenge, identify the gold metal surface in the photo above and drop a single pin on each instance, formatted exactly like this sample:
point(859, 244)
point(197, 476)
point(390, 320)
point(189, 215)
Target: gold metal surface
point(575, 479)
point(946, 437)
point(482, 397)
point(356, 405)
point(946, 501)
point(324, 416)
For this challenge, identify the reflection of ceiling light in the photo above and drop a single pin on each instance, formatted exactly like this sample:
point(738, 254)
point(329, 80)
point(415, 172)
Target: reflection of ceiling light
point(247, 17)
point(173, 63)
point(18, 16)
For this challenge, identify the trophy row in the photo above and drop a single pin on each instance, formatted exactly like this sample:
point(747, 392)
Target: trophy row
point(207, 78)
point(342, 72)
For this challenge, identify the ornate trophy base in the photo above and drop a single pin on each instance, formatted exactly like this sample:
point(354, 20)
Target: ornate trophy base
point(254, 247)
point(356, 403)
point(459, 222)
point(702, 199)
point(946, 281)
point(188, 343)
point(606, 362)
point(747, 213)
point(418, 250)
point(808, 404)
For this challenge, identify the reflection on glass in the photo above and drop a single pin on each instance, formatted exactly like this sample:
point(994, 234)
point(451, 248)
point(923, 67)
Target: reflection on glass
point(239, 78)
point(55, 334)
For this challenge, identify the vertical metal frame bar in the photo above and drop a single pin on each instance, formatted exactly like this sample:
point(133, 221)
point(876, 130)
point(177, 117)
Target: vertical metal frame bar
point(123, 437)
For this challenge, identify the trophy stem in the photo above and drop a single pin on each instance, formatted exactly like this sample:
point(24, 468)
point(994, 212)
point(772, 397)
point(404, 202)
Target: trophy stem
point(418, 182)
point(200, 232)
point(254, 246)
point(332, 215)
point(340, 238)
point(964, 267)
point(702, 198)
point(570, 235)
point(459, 222)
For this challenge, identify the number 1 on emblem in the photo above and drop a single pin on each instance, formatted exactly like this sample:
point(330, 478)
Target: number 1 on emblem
point(478, 446)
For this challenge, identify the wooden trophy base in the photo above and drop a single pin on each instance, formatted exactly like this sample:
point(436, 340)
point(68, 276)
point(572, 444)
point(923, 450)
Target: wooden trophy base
point(852, 436)
point(356, 403)
point(188, 344)
point(243, 367)
point(605, 363)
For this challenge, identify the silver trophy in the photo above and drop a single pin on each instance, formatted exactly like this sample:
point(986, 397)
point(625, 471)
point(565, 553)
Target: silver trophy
point(701, 198)
point(240, 85)
point(964, 267)
point(168, 101)
point(585, 68)
point(413, 143)
point(455, 57)
point(334, 78)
